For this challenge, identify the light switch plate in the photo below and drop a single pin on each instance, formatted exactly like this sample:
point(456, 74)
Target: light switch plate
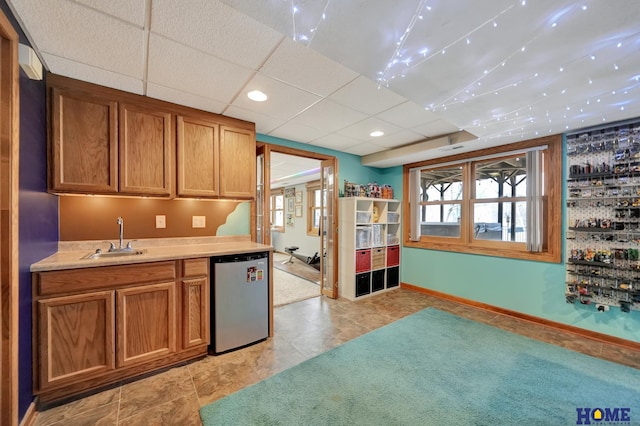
point(198, 221)
point(161, 221)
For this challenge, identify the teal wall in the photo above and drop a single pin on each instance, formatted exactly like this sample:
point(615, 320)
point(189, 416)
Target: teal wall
point(238, 222)
point(533, 288)
point(393, 176)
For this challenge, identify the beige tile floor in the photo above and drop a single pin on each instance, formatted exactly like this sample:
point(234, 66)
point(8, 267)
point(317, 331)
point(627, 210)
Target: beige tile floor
point(302, 330)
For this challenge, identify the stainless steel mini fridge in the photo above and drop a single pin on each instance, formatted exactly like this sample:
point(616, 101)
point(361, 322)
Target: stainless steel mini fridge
point(240, 301)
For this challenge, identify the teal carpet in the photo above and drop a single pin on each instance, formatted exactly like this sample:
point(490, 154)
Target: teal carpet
point(435, 368)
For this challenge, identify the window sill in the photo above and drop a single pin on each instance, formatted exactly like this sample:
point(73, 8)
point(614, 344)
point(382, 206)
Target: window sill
point(544, 256)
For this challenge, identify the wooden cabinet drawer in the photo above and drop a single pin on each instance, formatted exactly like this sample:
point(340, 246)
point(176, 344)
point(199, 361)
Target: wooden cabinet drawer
point(105, 277)
point(195, 267)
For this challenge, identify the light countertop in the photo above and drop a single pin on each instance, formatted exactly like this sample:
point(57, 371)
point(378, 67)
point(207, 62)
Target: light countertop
point(71, 255)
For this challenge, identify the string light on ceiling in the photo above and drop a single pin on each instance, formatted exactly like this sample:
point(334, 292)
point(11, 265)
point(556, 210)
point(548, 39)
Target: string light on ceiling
point(503, 62)
point(390, 73)
point(409, 57)
point(558, 124)
point(303, 37)
point(577, 120)
point(560, 121)
point(617, 99)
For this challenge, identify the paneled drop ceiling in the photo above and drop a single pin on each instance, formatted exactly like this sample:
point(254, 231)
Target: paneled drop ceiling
point(288, 170)
point(334, 71)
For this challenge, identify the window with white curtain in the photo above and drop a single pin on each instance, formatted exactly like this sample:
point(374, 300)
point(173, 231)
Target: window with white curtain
point(277, 210)
point(505, 201)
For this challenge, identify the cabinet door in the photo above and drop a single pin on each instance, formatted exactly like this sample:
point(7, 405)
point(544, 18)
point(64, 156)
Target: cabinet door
point(146, 323)
point(75, 335)
point(195, 310)
point(198, 157)
point(237, 163)
point(146, 151)
point(83, 143)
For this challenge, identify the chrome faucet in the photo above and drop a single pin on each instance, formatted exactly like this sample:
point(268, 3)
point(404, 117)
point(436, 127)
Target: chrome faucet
point(121, 224)
point(121, 247)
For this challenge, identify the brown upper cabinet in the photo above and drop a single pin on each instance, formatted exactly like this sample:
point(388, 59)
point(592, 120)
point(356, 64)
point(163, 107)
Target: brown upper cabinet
point(84, 142)
point(146, 143)
point(198, 157)
point(215, 160)
point(237, 162)
point(104, 141)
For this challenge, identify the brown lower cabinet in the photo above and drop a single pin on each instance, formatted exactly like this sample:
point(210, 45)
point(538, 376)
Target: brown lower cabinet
point(96, 326)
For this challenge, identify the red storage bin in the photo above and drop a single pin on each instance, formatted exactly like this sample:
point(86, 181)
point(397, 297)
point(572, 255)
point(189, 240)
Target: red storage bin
point(363, 260)
point(393, 256)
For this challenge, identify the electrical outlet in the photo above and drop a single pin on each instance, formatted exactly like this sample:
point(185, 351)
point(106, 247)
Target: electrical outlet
point(161, 221)
point(198, 221)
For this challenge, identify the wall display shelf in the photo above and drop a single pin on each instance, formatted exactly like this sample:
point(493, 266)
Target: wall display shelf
point(603, 218)
point(369, 246)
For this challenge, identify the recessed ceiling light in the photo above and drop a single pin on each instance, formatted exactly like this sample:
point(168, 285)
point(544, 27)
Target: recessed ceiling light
point(376, 134)
point(256, 95)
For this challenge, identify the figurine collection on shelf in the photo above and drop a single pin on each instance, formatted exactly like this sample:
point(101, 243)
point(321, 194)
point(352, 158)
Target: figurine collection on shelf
point(370, 190)
point(603, 207)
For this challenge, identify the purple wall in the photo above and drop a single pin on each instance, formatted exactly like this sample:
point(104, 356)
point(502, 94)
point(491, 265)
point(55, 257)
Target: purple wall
point(38, 211)
point(38, 217)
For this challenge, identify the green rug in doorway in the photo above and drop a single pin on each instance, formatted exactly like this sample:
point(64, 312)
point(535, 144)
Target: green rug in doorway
point(435, 368)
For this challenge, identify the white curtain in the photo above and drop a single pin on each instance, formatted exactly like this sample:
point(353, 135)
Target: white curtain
point(414, 204)
point(535, 215)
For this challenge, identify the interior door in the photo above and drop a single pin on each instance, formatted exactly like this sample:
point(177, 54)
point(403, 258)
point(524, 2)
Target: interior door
point(329, 229)
point(263, 194)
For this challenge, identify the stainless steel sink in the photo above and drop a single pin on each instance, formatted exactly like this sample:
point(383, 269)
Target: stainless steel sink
point(105, 255)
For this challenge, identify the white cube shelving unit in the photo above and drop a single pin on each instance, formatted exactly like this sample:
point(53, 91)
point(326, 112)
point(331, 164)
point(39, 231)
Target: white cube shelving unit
point(369, 246)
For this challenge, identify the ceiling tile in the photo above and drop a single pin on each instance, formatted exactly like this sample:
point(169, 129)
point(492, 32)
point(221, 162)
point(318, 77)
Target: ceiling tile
point(297, 132)
point(183, 98)
point(362, 129)
point(299, 66)
point(336, 141)
point(435, 128)
point(291, 164)
point(288, 170)
point(364, 149)
point(394, 140)
point(67, 68)
point(127, 10)
point(408, 115)
point(365, 96)
point(216, 28)
point(176, 66)
point(77, 33)
point(329, 116)
point(283, 101)
point(264, 123)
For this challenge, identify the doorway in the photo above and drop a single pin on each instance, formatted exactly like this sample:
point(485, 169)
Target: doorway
point(9, 124)
point(295, 213)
